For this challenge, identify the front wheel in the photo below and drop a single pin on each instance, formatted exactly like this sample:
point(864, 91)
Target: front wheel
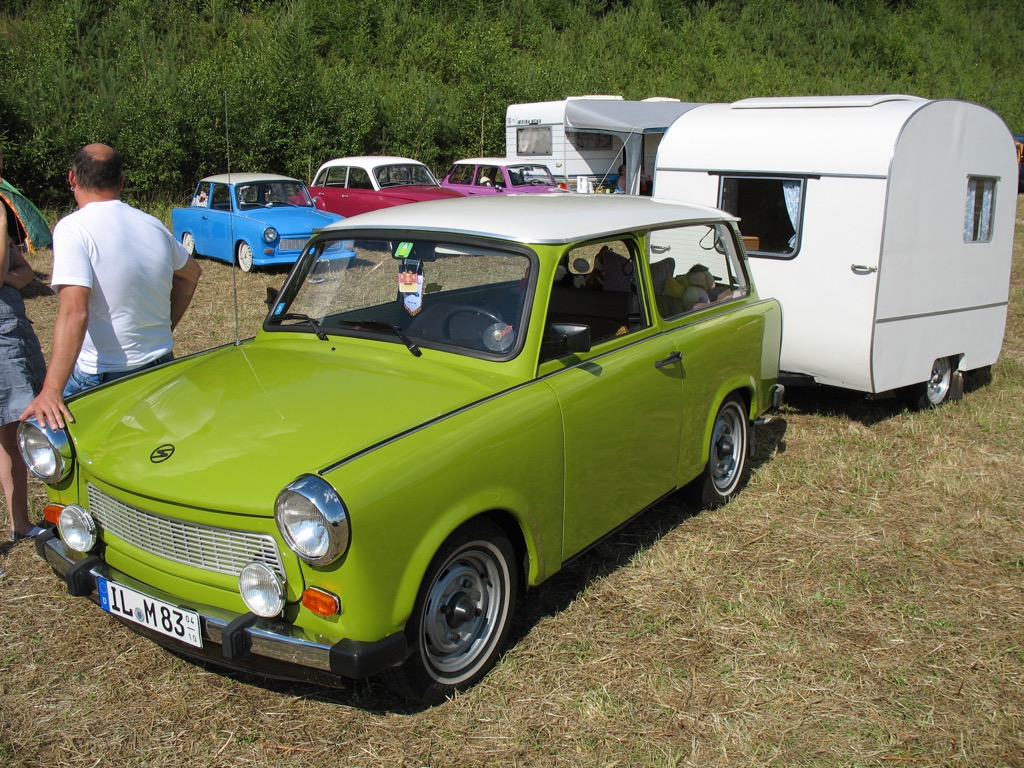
point(244, 257)
point(727, 456)
point(462, 614)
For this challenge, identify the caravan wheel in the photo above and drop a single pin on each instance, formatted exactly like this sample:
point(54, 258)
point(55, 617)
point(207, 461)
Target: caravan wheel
point(945, 383)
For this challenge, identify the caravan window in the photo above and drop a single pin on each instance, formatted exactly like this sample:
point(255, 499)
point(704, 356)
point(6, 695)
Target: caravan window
point(981, 194)
point(770, 212)
point(590, 140)
point(533, 140)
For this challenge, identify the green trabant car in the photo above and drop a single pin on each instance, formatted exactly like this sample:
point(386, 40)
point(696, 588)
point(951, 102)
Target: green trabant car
point(416, 435)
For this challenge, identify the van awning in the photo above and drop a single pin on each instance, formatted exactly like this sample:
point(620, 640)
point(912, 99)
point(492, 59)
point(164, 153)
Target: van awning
point(629, 120)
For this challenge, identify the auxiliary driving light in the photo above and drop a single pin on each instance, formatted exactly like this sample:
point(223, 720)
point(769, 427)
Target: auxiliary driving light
point(262, 590)
point(77, 528)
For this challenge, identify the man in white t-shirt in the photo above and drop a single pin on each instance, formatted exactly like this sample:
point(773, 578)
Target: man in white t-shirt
point(124, 282)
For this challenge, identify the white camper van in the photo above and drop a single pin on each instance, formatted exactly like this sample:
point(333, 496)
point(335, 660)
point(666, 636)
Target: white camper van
point(584, 139)
point(883, 224)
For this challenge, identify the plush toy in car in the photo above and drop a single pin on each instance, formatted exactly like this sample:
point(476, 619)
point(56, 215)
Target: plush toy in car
point(693, 287)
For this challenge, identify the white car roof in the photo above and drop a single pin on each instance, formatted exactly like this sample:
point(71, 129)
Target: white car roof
point(245, 178)
point(369, 161)
point(544, 218)
point(506, 161)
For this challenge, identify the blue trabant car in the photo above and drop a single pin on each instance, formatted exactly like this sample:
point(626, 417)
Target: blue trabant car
point(252, 220)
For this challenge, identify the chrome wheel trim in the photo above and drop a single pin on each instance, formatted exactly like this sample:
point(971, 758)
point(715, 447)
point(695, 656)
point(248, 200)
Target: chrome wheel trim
point(465, 610)
point(728, 447)
point(937, 386)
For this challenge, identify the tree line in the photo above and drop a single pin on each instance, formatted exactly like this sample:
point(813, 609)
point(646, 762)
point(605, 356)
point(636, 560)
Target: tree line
point(186, 88)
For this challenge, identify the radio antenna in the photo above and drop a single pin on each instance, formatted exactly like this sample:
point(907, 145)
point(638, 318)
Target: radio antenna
point(231, 217)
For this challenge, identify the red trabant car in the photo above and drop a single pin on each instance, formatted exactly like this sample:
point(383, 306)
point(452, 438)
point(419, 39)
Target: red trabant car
point(351, 185)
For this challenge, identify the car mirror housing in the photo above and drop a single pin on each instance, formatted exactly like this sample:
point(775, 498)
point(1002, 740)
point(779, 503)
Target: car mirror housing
point(567, 337)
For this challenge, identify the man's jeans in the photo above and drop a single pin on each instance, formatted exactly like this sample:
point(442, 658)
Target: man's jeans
point(81, 381)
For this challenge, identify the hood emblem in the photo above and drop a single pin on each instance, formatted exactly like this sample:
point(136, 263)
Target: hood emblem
point(162, 453)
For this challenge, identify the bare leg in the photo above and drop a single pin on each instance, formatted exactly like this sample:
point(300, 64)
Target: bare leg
point(14, 478)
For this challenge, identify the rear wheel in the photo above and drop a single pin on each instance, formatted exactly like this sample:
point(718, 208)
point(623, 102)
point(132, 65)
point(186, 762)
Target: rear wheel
point(462, 614)
point(243, 256)
point(727, 456)
point(189, 242)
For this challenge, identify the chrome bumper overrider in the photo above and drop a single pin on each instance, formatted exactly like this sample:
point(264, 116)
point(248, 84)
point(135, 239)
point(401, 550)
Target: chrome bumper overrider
point(241, 641)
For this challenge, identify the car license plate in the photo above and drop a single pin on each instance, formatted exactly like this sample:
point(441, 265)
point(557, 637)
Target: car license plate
point(167, 619)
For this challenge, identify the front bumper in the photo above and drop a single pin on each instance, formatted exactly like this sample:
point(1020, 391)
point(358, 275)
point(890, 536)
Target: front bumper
point(239, 641)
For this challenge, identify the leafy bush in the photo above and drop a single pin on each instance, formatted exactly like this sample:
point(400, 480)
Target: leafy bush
point(282, 86)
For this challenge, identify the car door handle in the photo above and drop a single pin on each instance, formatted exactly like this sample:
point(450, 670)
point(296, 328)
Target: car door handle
point(675, 357)
point(659, 249)
point(862, 269)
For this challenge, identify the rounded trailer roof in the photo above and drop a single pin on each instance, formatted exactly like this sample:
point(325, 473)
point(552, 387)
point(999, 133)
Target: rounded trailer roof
point(544, 218)
point(854, 135)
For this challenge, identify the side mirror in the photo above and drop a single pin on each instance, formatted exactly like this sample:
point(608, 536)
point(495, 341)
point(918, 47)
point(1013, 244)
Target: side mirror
point(271, 299)
point(561, 338)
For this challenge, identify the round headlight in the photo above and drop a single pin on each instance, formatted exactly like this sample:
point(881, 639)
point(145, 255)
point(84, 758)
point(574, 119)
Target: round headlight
point(46, 452)
point(313, 520)
point(270, 234)
point(77, 528)
point(261, 589)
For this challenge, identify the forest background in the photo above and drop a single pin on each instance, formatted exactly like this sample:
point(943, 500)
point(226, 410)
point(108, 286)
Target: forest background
point(184, 87)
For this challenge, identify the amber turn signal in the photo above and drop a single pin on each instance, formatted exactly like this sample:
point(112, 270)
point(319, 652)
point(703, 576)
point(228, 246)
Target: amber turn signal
point(321, 602)
point(51, 513)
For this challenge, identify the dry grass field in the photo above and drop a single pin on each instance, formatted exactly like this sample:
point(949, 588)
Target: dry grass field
point(860, 604)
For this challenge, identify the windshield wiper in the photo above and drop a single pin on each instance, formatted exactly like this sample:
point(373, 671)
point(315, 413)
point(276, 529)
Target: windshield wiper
point(305, 319)
point(378, 325)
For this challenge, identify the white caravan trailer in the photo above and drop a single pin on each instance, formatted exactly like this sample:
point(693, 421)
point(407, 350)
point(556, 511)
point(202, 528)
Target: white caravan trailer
point(883, 224)
point(589, 137)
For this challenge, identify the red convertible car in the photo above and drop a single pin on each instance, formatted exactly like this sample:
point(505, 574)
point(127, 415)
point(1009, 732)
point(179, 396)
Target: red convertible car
point(351, 185)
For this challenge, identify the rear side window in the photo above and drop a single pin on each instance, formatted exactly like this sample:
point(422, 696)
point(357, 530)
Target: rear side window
point(770, 211)
point(221, 198)
point(694, 267)
point(981, 193)
point(461, 174)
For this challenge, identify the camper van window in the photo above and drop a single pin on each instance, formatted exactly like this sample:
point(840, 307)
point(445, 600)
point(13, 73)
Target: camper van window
point(695, 267)
point(591, 140)
point(981, 194)
point(534, 140)
point(770, 211)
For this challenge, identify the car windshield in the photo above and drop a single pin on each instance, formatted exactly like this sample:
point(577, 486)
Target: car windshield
point(403, 175)
point(468, 298)
point(268, 194)
point(530, 175)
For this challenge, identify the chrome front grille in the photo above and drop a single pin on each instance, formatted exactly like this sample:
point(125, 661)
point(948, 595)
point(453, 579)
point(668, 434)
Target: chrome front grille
point(292, 243)
point(201, 546)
